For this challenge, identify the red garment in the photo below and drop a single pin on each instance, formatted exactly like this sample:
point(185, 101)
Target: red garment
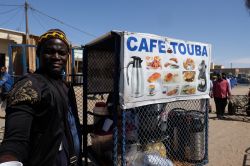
point(221, 89)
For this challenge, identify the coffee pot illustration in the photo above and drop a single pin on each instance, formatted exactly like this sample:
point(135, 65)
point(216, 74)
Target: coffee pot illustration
point(202, 85)
point(135, 81)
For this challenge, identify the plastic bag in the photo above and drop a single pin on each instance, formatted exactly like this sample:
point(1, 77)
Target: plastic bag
point(156, 160)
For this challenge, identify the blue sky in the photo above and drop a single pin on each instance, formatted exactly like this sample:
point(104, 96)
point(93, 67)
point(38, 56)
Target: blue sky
point(223, 23)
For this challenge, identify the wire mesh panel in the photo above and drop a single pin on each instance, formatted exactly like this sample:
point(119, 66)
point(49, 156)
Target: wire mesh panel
point(78, 93)
point(166, 134)
point(100, 71)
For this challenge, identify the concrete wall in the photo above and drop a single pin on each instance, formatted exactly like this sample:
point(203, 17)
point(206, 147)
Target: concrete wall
point(4, 43)
point(8, 37)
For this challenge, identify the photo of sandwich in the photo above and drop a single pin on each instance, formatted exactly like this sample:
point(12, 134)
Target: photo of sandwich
point(172, 63)
point(189, 64)
point(174, 59)
point(154, 77)
point(171, 77)
point(188, 89)
point(153, 62)
point(189, 76)
point(172, 91)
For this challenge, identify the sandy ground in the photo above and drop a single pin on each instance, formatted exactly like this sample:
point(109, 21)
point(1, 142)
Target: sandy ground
point(229, 139)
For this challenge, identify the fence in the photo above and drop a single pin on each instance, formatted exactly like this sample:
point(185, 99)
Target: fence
point(158, 134)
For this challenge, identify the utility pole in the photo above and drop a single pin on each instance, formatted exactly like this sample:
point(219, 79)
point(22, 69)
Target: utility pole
point(26, 5)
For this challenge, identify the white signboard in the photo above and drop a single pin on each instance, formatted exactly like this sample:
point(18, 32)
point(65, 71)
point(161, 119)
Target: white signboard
point(159, 69)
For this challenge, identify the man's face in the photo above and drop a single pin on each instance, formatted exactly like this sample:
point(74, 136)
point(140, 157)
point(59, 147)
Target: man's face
point(53, 56)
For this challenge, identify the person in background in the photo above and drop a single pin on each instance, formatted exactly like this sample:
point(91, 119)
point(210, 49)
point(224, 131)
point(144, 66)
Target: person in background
point(225, 77)
point(210, 94)
point(213, 78)
point(233, 81)
point(221, 92)
point(6, 81)
point(6, 84)
point(42, 126)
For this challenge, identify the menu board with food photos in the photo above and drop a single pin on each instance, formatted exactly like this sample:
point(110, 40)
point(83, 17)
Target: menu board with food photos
point(159, 69)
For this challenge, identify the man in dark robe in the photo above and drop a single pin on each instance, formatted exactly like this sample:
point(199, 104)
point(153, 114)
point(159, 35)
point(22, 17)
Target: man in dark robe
point(42, 126)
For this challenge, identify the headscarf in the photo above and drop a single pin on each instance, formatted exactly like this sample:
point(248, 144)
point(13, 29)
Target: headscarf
point(52, 34)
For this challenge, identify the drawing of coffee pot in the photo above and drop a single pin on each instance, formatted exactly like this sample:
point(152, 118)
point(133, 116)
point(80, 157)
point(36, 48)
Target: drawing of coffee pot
point(135, 81)
point(202, 85)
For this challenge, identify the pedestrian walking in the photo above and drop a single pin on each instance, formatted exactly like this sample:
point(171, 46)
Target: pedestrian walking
point(221, 93)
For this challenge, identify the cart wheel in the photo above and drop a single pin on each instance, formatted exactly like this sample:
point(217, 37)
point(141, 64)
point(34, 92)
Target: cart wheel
point(231, 108)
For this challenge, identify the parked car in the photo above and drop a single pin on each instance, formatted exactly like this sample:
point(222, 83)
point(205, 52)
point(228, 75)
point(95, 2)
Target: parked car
point(243, 80)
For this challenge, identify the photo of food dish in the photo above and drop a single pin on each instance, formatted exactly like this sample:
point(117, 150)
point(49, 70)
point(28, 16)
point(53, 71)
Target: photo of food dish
point(171, 77)
point(153, 62)
point(188, 89)
point(189, 64)
point(189, 76)
point(172, 91)
point(174, 59)
point(151, 90)
point(172, 63)
point(154, 77)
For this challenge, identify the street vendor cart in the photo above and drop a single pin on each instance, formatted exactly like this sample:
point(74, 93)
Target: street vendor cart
point(150, 104)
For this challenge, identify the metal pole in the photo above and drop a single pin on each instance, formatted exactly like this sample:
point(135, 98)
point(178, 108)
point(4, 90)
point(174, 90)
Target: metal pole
point(24, 59)
point(10, 62)
point(26, 5)
point(85, 105)
point(73, 74)
point(116, 97)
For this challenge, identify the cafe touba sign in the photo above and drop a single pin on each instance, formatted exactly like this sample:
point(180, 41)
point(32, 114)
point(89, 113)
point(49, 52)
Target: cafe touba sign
point(159, 69)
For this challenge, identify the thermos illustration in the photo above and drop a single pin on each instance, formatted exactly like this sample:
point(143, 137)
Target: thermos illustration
point(202, 85)
point(136, 81)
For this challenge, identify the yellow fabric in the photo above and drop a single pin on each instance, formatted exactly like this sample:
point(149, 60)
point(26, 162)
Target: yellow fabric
point(53, 34)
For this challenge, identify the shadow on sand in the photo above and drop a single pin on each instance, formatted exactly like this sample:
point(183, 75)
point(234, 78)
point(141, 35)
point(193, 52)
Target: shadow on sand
point(241, 117)
point(246, 159)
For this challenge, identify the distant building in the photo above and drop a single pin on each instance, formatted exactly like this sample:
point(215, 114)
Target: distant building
point(218, 67)
point(11, 48)
point(234, 71)
point(212, 65)
point(12, 45)
point(78, 53)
